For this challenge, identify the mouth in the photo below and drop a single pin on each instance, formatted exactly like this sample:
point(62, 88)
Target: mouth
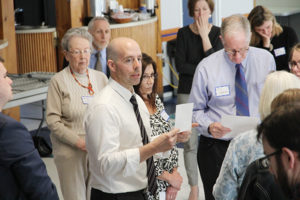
point(136, 75)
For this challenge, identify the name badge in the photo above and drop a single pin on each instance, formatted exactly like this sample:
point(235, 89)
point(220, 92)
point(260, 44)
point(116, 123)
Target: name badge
point(86, 99)
point(164, 115)
point(280, 51)
point(222, 91)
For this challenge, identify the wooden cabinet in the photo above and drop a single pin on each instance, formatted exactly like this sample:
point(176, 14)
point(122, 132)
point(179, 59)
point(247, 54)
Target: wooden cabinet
point(36, 50)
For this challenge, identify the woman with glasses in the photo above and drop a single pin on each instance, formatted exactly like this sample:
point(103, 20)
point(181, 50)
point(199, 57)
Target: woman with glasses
point(194, 42)
point(269, 35)
point(69, 93)
point(245, 148)
point(294, 60)
point(168, 178)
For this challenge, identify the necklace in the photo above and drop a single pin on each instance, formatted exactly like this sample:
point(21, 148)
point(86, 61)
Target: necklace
point(89, 87)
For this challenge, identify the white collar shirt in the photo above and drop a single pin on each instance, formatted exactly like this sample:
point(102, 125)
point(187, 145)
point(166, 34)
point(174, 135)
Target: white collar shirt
point(113, 140)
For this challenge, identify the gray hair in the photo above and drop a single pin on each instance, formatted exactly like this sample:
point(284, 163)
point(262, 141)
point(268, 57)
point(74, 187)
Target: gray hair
point(275, 83)
point(92, 22)
point(236, 23)
point(75, 32)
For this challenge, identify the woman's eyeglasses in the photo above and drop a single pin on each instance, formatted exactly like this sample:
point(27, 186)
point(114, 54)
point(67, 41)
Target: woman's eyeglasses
point(78, 52)
point(148, 77)
point(294, 64)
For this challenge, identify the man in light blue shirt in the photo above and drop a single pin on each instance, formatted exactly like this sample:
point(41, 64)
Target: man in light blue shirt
point(213, 92)
point(99, 28)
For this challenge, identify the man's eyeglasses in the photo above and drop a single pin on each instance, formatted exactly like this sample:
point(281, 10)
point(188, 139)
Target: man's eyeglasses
point(265, 161)
point(148, 77)
point(294, 64)
point(234, 52)
point(78, 52)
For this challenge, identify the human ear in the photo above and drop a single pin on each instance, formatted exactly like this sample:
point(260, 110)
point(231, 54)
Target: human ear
point(288, 157)
point(111, 65)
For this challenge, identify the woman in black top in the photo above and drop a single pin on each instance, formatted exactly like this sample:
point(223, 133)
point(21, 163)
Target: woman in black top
point(269, 35)
point(194, 42)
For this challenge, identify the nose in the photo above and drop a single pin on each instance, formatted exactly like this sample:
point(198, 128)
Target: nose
point(136, 63)
point(9, 81)
point(150, 80)
point(265, 31)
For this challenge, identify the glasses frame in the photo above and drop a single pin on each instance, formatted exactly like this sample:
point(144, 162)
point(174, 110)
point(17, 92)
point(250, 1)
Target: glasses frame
point(147, 77)
point(234, 52)
point(265, 161)
point(293, 64)
point(79, 52)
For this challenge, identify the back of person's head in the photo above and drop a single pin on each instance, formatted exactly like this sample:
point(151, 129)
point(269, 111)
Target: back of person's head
point(276, 82)
point(257, 17)
point(75, 32)
point(192, 4)
point(92, 22)
point(282, 128)
point(288, 96)
point(236, 23)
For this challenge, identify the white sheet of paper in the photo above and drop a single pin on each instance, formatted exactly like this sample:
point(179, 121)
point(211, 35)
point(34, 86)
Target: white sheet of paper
point(183, 116)
point(238, 124)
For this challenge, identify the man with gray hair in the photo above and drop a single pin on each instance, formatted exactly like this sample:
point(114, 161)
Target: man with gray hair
point(99, 28)
point(227, 82)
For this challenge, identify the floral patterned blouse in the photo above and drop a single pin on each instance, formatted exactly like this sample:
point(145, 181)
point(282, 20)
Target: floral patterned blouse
point(242, 151)
point(163, 161)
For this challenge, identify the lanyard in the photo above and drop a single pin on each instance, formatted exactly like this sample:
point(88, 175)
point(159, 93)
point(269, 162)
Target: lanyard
point(89, 87)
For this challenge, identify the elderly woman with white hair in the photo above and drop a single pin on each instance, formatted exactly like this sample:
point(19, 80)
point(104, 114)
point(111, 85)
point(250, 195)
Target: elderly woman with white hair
point(245, 148)
point(69, 93)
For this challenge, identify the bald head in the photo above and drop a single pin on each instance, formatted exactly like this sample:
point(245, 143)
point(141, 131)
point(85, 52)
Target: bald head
point(118, 46)
point(124, 58)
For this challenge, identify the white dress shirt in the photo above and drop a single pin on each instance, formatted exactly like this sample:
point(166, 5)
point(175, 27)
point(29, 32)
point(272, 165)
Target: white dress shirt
point(113, 139)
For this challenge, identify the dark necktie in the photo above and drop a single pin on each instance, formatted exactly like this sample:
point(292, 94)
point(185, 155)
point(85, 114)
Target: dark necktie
point(98, 65)
point(241, 93)
point(152, 185)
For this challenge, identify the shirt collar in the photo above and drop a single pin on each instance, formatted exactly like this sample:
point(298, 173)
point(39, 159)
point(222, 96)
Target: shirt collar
point(103, 51)
point(122, 91)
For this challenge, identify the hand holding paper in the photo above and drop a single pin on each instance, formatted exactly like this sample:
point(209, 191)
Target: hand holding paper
point(183, 116)
point(238, 124)
point(183, 121)
point(217, 130)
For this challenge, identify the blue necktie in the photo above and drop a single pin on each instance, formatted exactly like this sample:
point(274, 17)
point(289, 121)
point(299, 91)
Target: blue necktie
point(241, 93)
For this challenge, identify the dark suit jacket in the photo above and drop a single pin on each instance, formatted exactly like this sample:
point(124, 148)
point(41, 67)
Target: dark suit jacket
point(23, 174)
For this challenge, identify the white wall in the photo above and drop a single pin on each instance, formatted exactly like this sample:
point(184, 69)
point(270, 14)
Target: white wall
point(225, 8)
point(171, 14)
point(279, 3)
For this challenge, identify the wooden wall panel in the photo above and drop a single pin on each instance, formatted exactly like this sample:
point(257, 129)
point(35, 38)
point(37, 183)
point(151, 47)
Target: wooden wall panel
point(78, 12)
point(134, 4)
point(160, 89)
point(36, 52)
point(63, 23)
point(7, 32)
point(145, 35)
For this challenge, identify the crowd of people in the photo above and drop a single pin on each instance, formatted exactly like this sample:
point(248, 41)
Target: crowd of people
point(111, 135)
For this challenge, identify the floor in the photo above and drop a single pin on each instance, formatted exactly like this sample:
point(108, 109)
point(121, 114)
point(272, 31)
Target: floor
point(34, 111)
